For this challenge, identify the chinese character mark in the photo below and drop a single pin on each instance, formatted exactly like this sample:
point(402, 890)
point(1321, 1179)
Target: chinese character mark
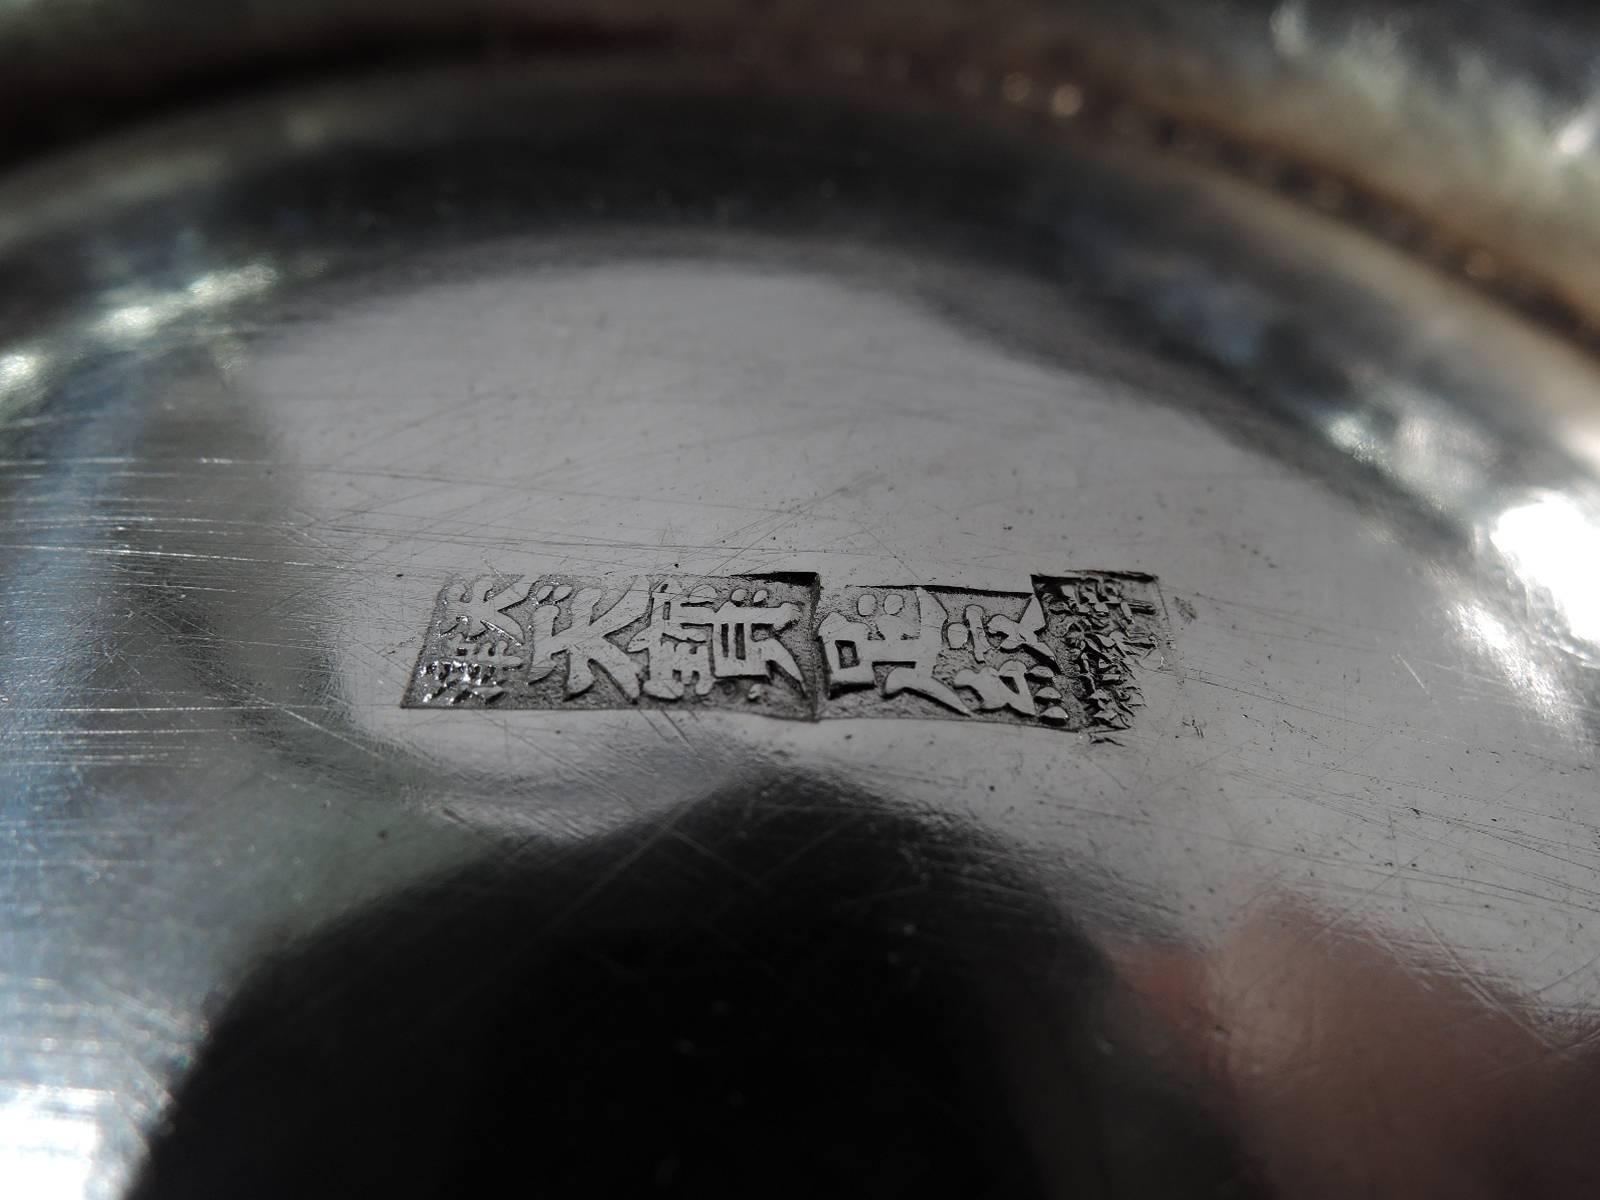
point(1062, 654)
point(1008, 684)
point(585, 639)
point(1105, 631)
point(853, 650)
point(473, 671)
point(690, 643)
point(477, 607)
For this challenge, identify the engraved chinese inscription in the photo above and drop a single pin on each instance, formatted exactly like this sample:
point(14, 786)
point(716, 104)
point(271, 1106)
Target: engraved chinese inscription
point(1066, 655)
point(559, 641)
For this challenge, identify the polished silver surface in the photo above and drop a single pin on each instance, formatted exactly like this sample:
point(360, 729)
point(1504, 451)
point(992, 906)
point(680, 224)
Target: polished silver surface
point(274, 375)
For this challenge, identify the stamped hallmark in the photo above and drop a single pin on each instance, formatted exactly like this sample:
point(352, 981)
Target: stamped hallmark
point(1066, 655)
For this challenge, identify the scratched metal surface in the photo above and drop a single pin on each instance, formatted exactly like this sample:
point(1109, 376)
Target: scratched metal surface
point(270, 376)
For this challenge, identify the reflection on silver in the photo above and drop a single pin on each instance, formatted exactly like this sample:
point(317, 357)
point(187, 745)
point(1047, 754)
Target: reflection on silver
point(1521, 661)
point(1552, 543)
point(49, 1141)
point(1577, 136)
point(18, 368)
point(134, 319)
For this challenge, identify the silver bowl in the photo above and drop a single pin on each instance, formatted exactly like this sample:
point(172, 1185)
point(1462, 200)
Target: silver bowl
point(898, 599)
